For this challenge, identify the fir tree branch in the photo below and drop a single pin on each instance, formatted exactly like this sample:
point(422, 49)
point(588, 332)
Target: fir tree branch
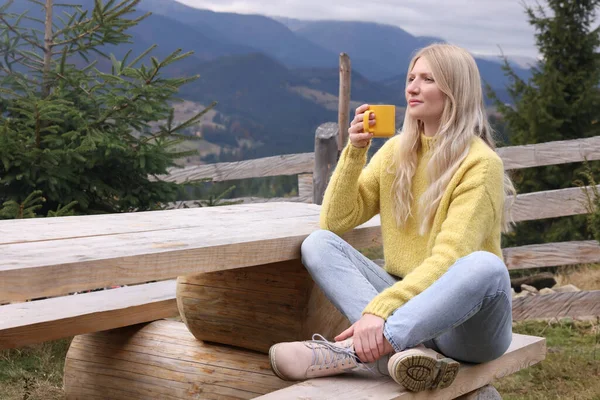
point(16, 32)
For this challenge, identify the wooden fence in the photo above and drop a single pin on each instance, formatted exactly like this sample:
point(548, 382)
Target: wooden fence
point(527, 206)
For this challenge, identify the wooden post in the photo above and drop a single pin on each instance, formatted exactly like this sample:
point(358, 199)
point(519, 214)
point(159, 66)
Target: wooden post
point(344, 100)
point(305, 188)
point(326, 154)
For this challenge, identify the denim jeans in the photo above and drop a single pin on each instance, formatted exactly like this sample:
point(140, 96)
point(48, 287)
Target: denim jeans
point(466, 314)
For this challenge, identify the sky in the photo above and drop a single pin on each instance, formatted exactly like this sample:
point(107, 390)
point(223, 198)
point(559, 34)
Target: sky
point(481, 26)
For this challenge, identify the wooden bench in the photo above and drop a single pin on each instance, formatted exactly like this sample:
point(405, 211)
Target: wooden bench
point(232, 255)
point(247, 253)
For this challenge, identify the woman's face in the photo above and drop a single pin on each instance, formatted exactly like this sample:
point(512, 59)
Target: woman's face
point(424, 99)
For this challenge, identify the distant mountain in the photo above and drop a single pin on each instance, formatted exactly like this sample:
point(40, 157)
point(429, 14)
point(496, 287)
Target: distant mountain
point(256, 31)
point(275, 81)
point(383, 51)
point(274, 107)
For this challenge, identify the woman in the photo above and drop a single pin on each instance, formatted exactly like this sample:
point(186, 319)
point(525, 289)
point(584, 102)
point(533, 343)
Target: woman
point(444, 293)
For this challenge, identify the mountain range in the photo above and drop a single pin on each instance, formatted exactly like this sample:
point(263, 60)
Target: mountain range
point(276, 79)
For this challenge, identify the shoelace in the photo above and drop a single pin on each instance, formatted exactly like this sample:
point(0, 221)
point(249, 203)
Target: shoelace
point(329, 353)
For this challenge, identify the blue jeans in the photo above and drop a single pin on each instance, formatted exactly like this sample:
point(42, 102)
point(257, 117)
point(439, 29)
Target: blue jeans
point(466, 314)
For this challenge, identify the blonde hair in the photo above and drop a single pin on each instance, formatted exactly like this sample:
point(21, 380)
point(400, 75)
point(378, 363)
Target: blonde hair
point(457, 76)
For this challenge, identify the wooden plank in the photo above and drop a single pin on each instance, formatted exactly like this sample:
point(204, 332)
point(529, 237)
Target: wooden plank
point(220, 241)
point(549, 204)
point(42, 229)
point(42, 320)
point(524, 352)
point(551, 153)
point(245, 200)
point(305, 187)
point(288, 164)
point(578, 305)
point(552, 254)
point(514, 157)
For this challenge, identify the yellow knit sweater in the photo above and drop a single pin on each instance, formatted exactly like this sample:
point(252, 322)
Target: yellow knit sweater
point(468, 218)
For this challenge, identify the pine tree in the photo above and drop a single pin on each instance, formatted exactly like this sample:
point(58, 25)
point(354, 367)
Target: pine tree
point(561, 101)
point(77, 134)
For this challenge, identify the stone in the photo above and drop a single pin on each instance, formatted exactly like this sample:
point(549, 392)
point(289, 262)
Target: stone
point(567, 289)
point(529, 289)
point(538, 281)
point(546, 291)
point(487, 392)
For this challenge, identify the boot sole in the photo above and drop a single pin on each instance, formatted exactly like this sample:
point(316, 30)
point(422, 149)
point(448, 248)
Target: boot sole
point(274, 364)
point(418, 372)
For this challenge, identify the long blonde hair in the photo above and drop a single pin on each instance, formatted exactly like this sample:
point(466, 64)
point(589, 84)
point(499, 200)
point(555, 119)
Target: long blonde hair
point(464, 116)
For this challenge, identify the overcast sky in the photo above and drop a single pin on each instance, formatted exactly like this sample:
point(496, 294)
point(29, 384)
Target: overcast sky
point(478, 25)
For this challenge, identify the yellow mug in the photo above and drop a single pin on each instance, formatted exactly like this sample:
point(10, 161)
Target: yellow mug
point(385, 120)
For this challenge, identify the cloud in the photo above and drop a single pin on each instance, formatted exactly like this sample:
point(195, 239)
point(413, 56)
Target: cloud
point(481, 26)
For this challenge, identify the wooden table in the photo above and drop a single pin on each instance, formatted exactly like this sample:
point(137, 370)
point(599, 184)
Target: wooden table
point(55, 256)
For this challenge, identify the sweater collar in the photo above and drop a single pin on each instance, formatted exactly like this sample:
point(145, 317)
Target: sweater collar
point(427, 143)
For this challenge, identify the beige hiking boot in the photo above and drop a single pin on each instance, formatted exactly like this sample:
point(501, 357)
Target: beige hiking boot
point(295, 361)
point(421, 368)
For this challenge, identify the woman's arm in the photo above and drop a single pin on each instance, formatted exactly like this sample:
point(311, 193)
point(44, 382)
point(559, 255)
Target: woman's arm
point(352, 196)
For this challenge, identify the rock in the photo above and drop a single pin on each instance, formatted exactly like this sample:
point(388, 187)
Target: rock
point(567, 289)
point(488, 392)
point(529, 289)
point(546, 291)
point(538, 281)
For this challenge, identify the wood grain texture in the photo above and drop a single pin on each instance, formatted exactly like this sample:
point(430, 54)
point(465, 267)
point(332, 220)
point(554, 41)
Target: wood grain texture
point(322, 317)
point(242, 200)
point(234, 237)
point(552, 254)
point(583, 305)
point(289, 164)
point(551, 153)
point(252, 308)
point(47, 229)
point(305, 188)
point(549, 204)
point(326, 155)
point(524, 352)
point(162, 360)
point(344, 98)
point(42, 320)
point(514, 157)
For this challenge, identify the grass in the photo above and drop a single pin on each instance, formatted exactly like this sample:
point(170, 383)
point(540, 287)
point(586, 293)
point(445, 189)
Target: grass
point(571, 370)
point(585, 277)
point(33, 373)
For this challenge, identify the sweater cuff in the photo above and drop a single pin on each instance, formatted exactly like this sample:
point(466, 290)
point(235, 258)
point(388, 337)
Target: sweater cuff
point(356, 153)
point(381, 307)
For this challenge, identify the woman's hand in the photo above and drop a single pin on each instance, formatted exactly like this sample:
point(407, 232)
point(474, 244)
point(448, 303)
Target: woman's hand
point(369, 342)
point(356, 132)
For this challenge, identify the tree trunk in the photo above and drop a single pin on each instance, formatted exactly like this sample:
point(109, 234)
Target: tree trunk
point(48, 40)
point(162, 360)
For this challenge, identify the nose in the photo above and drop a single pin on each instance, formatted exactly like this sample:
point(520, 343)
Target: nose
point(412, 88)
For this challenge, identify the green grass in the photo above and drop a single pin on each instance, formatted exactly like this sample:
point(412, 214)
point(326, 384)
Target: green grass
point(571, 369)
point(33, 373)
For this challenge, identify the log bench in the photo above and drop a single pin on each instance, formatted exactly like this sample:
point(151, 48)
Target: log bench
point(240, 287)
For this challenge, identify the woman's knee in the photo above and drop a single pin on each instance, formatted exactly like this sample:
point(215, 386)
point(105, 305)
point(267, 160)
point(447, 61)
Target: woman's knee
point(488, 267)
point(315, 246)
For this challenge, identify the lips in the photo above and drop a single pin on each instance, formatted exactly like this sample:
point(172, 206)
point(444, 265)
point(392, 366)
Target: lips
point(414, 102)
